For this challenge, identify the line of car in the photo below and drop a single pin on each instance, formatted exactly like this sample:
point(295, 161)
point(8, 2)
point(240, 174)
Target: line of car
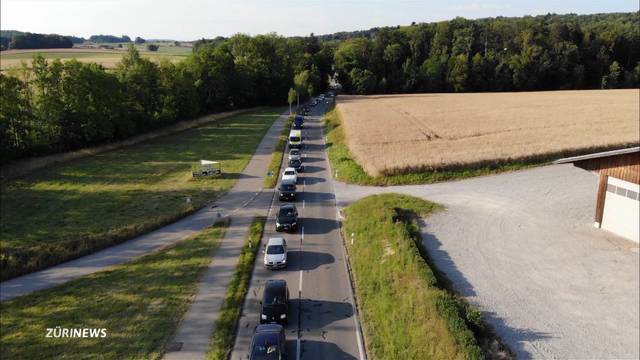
point(269, 337)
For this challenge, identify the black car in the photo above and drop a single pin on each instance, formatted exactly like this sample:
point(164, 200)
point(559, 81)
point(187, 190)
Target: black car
point(287, 219)
point(287, 191)
point(296, 164)
point(274, 306)
point(298, 121)
point(268, 343)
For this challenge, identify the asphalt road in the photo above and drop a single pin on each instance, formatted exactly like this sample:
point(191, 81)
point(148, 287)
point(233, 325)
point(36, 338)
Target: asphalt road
point(323, 320)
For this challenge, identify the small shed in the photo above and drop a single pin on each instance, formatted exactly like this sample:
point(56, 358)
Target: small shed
point(618, 194)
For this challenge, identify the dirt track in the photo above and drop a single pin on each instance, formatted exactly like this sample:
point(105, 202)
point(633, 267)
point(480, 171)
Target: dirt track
point(522, 247)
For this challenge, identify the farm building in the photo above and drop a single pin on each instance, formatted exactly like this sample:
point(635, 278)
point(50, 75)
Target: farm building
point(618, 195)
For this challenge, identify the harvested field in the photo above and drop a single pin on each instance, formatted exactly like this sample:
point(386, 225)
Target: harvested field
point(108, 58)
point(394, 134)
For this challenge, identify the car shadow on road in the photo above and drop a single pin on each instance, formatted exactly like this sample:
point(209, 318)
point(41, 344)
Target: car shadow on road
point(310, 180)
point(313, 226)
point(312, 349)
point(310, 169)
point(318, 314)
point(310, 159)
point(313, 197)
point(308, 260)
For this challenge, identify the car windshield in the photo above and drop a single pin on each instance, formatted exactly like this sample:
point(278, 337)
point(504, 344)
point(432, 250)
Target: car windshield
point(288, 212)
point(275, 298)
point(287, 187)
point(295, 152)
point(266, 348)
point(294, 162)
point(275, 249)
point(294, 138)
point(289, 172)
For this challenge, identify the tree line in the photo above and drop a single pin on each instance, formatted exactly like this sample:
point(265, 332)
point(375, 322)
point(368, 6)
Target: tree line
point(54, 106)
point(503, 54)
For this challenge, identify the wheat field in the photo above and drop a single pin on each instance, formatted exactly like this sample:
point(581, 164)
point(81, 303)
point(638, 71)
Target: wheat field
point(394, 134)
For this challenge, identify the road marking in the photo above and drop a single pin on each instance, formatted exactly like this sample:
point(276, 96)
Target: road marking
point(302, 234)
point(300, 284)
point(298, 349)
point(303, 204)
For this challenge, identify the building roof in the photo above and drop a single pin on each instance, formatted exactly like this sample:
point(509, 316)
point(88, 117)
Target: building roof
point(598, 155)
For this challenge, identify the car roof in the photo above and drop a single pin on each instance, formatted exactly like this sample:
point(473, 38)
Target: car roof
point(287, 206)
point(295, 132)
point(276, 241)
point(289, 169)
point(287, 181)
point(274, 286)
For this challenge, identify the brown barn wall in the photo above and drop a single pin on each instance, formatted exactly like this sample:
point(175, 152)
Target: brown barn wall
point(625, 167)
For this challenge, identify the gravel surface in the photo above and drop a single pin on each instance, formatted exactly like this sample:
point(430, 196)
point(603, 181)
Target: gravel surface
point(522, 247)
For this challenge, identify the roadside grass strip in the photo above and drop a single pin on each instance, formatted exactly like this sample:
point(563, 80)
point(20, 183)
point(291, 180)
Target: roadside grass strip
point(346, 168)
point(72, 209)
point(405, 312)
point(225, 330)
point(278, 156)
point(139, 304)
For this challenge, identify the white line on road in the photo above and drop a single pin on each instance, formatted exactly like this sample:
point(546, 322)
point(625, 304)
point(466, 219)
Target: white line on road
point(303, 204)
point(300, 284)
point(298, 349)
point(302, 234)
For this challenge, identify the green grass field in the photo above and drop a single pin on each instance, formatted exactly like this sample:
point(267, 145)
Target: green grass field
point(404, 312)
point(140, 304)
point(75, 208)
point(106, 57)
point(226, 325)
point(348, 170)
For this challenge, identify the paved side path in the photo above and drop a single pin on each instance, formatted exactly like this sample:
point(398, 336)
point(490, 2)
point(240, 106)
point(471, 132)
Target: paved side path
point(194, 334)
point(246, 189)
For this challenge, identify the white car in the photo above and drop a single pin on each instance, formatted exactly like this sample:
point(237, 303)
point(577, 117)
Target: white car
point(290, 174)
point(295, 154)
point(275, 254)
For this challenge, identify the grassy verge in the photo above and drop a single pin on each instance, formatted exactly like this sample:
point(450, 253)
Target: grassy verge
point(78, 207)
point(405, 311)
point(348, 170)
point(276, 157)
point(140, 305)
point(224, 335)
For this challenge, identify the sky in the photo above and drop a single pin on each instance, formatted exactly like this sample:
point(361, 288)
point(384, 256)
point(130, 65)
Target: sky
point(195, 19)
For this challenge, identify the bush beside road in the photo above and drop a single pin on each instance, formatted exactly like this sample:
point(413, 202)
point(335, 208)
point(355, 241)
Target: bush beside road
point(278, 152)
point(405, 312)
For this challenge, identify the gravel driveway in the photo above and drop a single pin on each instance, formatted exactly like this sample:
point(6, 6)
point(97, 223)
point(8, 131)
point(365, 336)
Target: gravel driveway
point(522, 247)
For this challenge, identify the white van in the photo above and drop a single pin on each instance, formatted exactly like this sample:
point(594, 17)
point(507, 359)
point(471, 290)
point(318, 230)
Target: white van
point(295, 139)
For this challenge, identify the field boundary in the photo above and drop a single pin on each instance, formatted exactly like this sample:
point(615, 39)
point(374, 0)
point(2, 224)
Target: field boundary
point(25, 166)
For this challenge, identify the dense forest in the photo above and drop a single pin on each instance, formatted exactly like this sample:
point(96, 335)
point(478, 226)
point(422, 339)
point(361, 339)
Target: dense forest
point(53, 106)
point(36, 41)
point(13, 39)
point(502, 54)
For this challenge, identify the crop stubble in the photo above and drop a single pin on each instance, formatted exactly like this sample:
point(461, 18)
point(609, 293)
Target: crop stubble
point(393, 134)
